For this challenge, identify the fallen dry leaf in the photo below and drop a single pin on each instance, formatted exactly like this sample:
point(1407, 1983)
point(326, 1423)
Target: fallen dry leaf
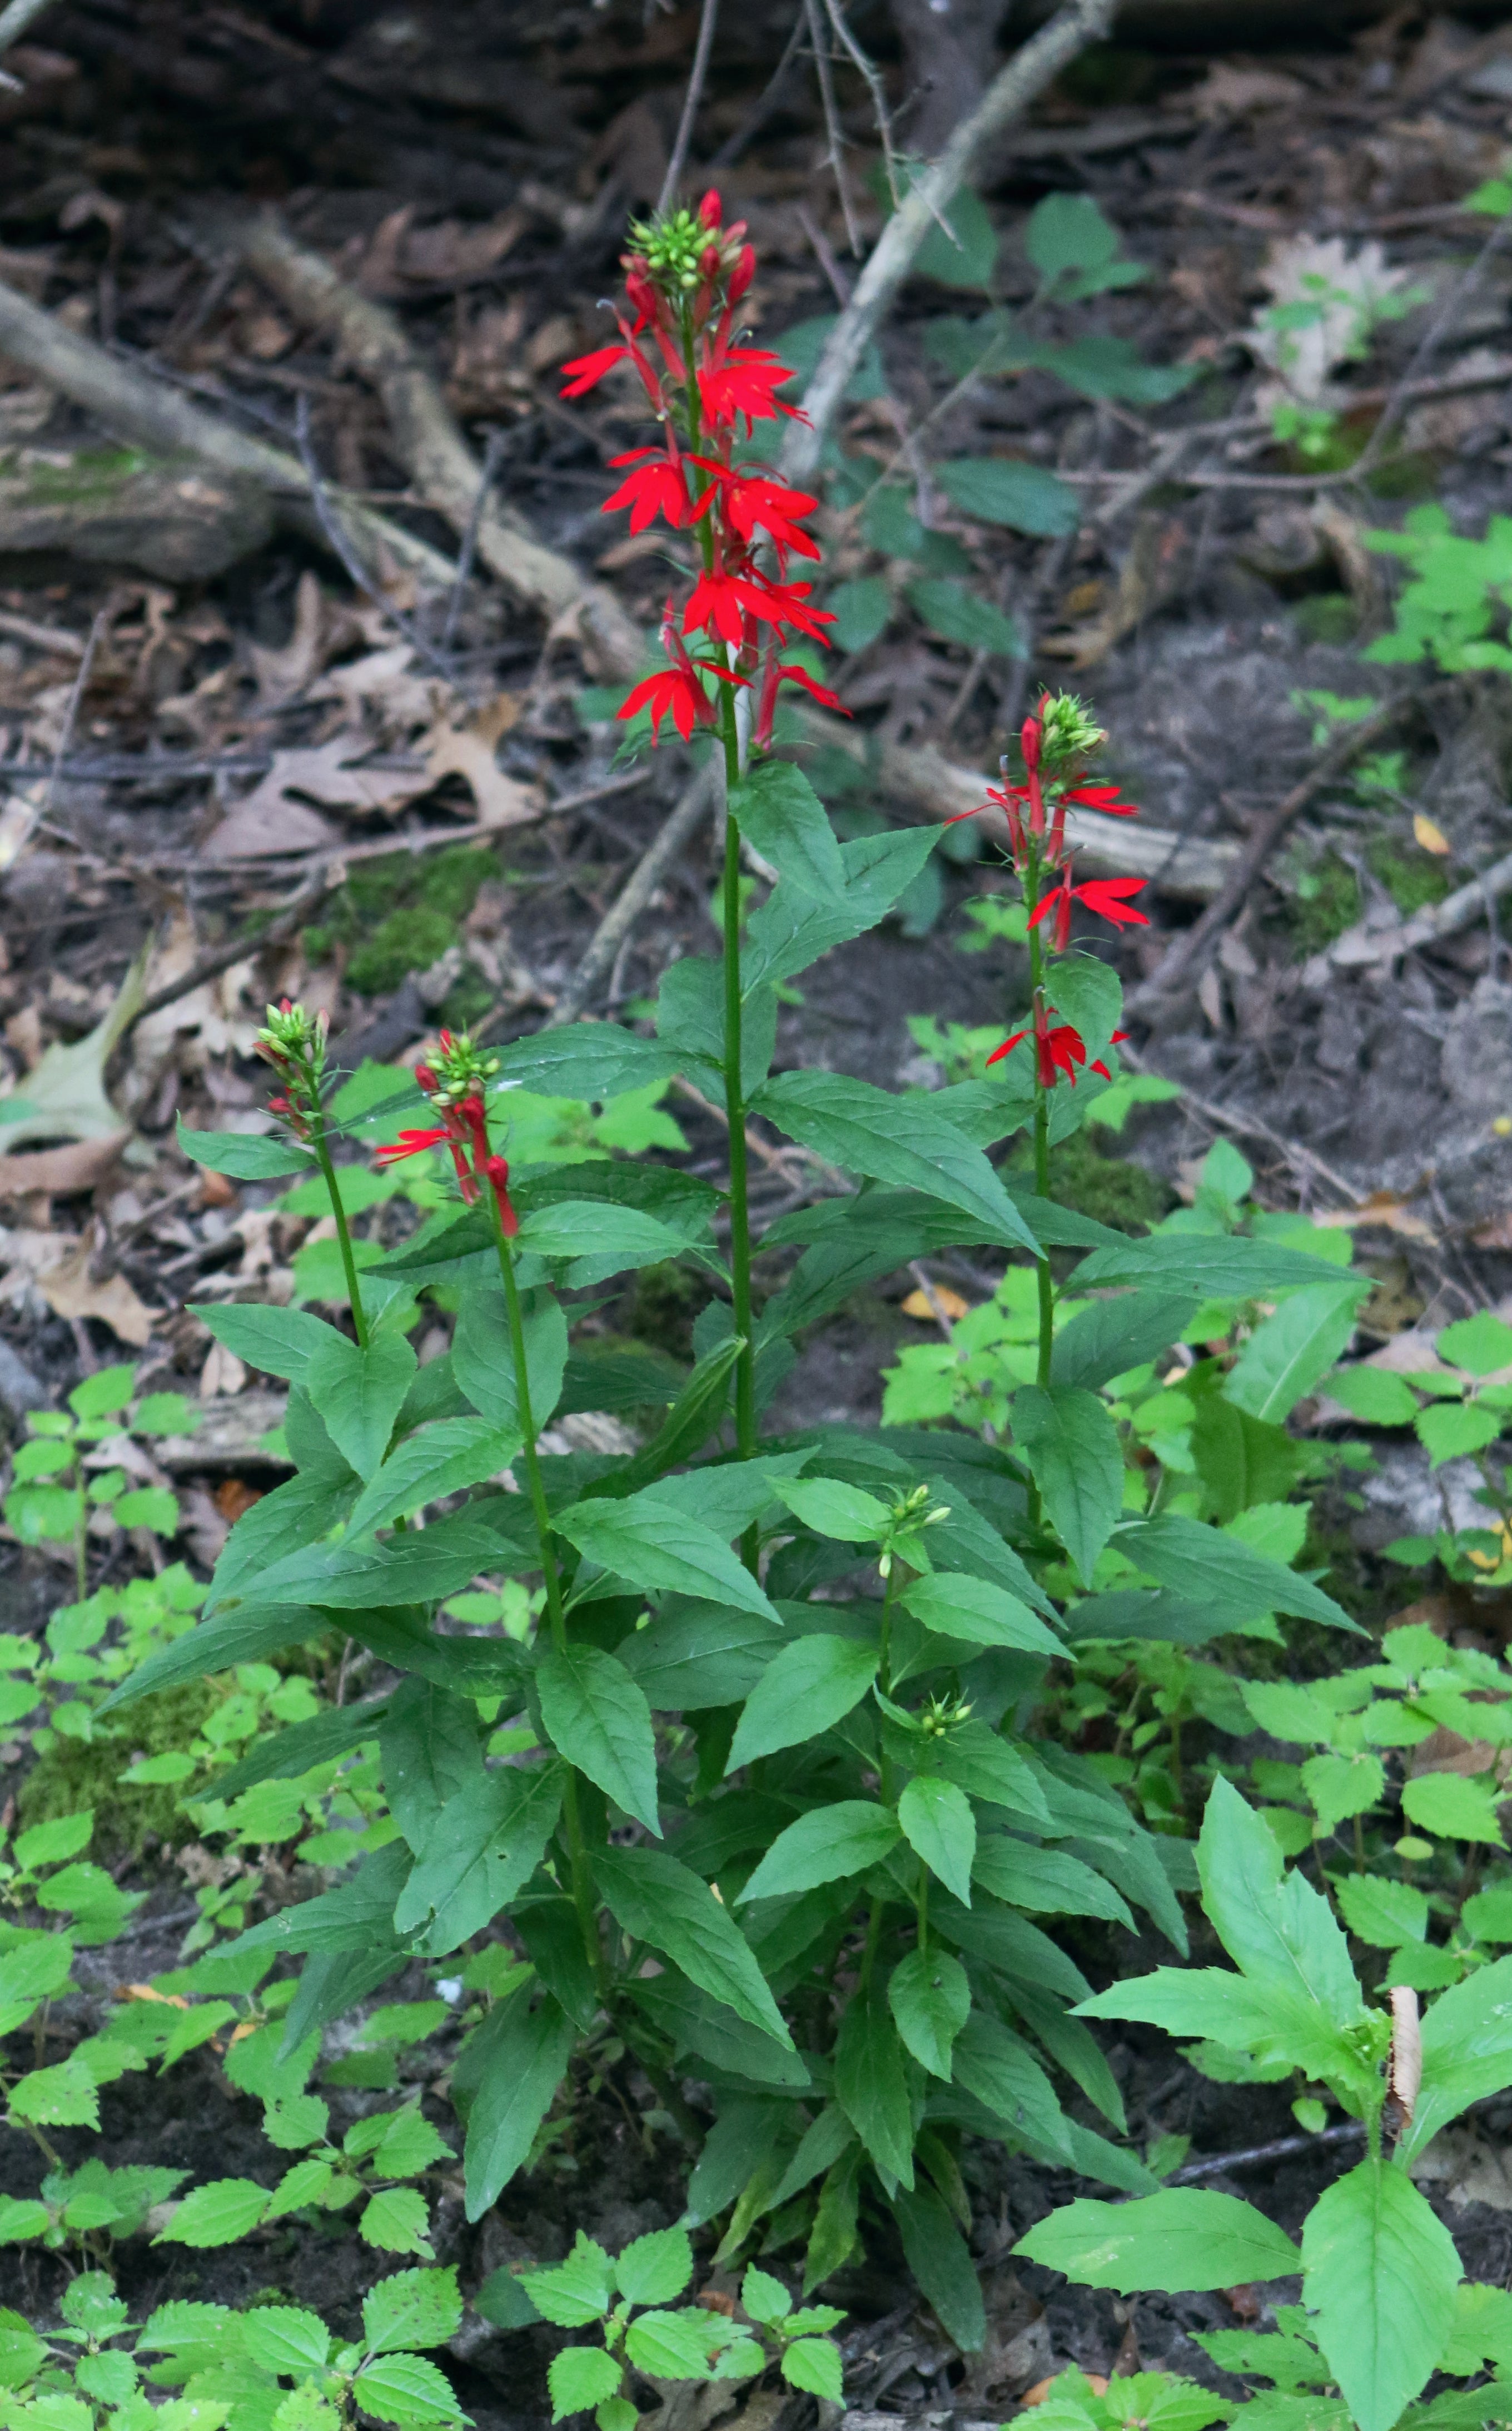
point(57, 1172)
point(282, 674)
point(272, 820)
point(466, 751)
point(222, 1373)
point(234, 1495)
point(946, 1303)
point(65, 1090)
point(70, 1290)
point(1383, 1208)
point(1432, 839)
point(1497, 1234)
point(1465, 2168)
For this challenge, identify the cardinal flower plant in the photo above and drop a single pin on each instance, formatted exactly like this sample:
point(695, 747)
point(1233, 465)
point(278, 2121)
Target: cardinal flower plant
point(758, 1801)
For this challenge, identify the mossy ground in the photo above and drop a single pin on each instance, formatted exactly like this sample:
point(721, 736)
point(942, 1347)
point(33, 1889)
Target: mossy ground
point(1113, 1190)
point(396, 918)
point(74, 1774)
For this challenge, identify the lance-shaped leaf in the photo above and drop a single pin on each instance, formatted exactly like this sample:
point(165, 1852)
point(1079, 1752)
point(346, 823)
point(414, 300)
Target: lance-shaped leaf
point(1182, 2238)
point(481, 1848)
point(937, 1817)
point(930, 2000)
point(658, 1546)
point(358, 1391)
point(871, 1131)
point(1380, 2274)
point(872, 2084)
point(810, 1686)
point(825, 1847)
point(655, 1898)
point(599, 1718)
point(1070, 1446)
point(516, 2061)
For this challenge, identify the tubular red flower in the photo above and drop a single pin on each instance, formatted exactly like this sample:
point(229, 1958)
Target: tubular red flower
point(413, 1144)
point(497, 1173)
point(1109, 899)
point(1059, 1050)
point(753, 503)
point(657, 487)
point(739, 384)
point(585, 371)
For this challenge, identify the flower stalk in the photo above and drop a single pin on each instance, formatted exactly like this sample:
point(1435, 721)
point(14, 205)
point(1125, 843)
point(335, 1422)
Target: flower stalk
point(294, 1044)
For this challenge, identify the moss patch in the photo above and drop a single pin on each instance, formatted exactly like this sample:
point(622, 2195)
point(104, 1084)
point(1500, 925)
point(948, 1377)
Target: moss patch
point(1412, 878)
point(397, 917)
point(72, 1774)
point(1327, 902)
point(667, 1300)
point(1111, 1189)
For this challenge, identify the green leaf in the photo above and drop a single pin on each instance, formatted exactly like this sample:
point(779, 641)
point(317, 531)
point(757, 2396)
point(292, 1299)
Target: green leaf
point(1465, 2052)
point(1380, 2272)
point(1000, 2070)
point(831, 1508)
point(359, 1393)
point(930, 2000)
point(1342, 1785)
point(285, 2339)
point(941, 1828)
point(864, 1128)
point(574, 2292)
point(412, 2308)
point(983, 1764)
point(805, 1689)
point(1274, 1924)
point(1070, 1447)
point(1211, 1568)
point(435, 1461)
point(598, 1718)
point(826, 1846)
point(1372, 1395)
point(961, 250)
point(1480, 1344)
point(217, 2214)
point(655, 1898)
point(355, 1915)
point(1287, 1356)
point(483, 1355)
point(1486, 1914)
point(1179, 2240)
point(955, 1605)
point(1089, 995)
point(519, 2057)
point(20, 2220)
point(779, 812)
point(580, 2377)
point(670, 2346)
point(814, 2364)
point(655, 1546)
point(653, 2269)
point(1005, 490)
point(1098, 365)
point(246, 1156)
point(1453, 1430)
point(398, 2222)
point(1046, 1881)
point(861, 610)
point(478, 1853)
point(790, 930)
point(279, 1341)
point(1388, 1915)
point(62, 2096)
point(1113, 1336)
point(1075, 248)
point(938, 2256)
point(600, 1240)
point(1453, 1808)
point(958, 615)
point(871, 2085)
point(406, 2390)
point(695, 1654)
point(590, 1060)
point(504, 2300)
point(1228, 1265)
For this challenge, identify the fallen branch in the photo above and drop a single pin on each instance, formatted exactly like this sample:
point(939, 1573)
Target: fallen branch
point(1186, 957)
point(146, 410)
point(443, 466)
point(15, 20)
point(1025, 76)
point(1364, 944)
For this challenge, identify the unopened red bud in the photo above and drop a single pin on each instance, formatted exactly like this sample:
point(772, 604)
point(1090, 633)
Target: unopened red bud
point(426, 1077)
point(742, 275)
point(712, 211)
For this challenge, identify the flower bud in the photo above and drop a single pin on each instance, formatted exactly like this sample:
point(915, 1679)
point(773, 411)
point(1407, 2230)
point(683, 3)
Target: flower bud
point(712, 211)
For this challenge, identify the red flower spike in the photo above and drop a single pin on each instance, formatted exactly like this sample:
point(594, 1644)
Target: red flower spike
point(585, 371)
point(1109, 899)
point(740, 385)
point(413, 1144)
point(657, 487)
point(497, 1172)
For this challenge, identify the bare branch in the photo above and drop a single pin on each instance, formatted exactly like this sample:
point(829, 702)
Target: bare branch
point(823, 69)
point(695, 94)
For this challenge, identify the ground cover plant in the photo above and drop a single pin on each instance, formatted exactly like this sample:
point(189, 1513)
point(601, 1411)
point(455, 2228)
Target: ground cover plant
point(801, 1779)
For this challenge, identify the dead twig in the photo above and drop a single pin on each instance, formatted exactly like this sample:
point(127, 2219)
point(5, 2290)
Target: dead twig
point(872, 75)
point(339, 543)
point(696, 74)
point(1256, 2155)
point(15, 20)
point(1186, 957)
point(1458, 912)
point(834, 133)
point(605, 943)
point(1027, 74)
point(766, 101)
point(492, 456)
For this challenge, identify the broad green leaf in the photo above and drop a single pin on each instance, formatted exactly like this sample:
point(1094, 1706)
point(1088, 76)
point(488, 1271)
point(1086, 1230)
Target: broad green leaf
point(591, 1059)
point(1182, 2238)
point(599, 1718)
point(871, 2085)
point(397, 2220)
point(1380, 2272)
point(217, 2214)
point(1274, 1924)
point(930, 2000)
point(574, 2292)
point(479, 1851)
point(807, 1689)
point(1204, 2000)
point(690, 1020)
point(655, 1898)
point(1467, 2052)
point(246, 1156)
point(1045, 1880)
point(1454, 1807)
point(832, 1508)
point(1209, 1568)
point(653, 2269)
point(581, 2377)
point(431, 1750)
point(658, 1547)
point(778, 809)
point(600, 1240)
point(958, 615)
point(670, 2346)
point(19, 2222)
point(355, 1915)
point(1482, 1345)
point(1227, 1266)
point(815, 2365)
point(483, 1355)
point(941, 2261)
point(696, 1653)
point(406, 2390)
point(956, 1605)
point(65, 2095)
point(861, 1126)
point(519, 2058)
point(993, 2063)
point(1005, 490)
point(285, 2339)
point(280, 1341)
point(1089, 995)
point(825, 1847)
point(1110, 1336)
point(359, 1393)
point(1453, 1430)
point(412, 2308)
point(1288, 1355)
point(1075, 248)
point(1372, 1395)
point(941, 1828)
point(790, 930)
point(435, 1461)
point(862, 610)
point(1342, 1785)
point(985, 1767)
point(419, 1567)
point(1486, 1914)
point(1070, 1446)
point(1388, 1915)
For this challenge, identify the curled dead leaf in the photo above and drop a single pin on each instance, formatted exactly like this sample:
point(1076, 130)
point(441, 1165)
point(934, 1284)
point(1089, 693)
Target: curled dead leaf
point(59, 1172)
point(71, 1290)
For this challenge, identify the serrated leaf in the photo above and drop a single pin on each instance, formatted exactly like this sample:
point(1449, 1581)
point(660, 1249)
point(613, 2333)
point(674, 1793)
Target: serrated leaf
point(407, 2390)
point(659, 1547)
point(1454, 1807)
point(412, 2308)
point(597, 1717)
point(398, 2222)
point(217, 2214)
point(580, 2377)
point(574, 2292)
point(670, 2346)
point(815, 2364)
point(930, 2000)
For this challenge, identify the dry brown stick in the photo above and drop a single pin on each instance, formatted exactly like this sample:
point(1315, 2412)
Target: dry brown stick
point(130, 401)
point(681, 823)
point(1186, 955)
point(443, 467)
point(695, 94)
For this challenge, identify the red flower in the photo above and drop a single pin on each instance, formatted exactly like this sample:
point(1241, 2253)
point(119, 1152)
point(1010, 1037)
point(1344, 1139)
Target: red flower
point(656, 488)
point(1060, 1048)
point(775, 673)
point(673, 692)
point(416, 1142)
point(739, 383)
point(727, 604)
point(588, 370)
point(1104, 799)
point(1107, 896)
point(753, 503)
point(498, 1174)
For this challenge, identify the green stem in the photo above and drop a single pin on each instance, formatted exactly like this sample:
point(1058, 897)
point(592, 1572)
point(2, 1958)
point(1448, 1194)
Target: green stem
point(923, 1911)
point(555, 1610)
point(322, 1157)
point(82, 1535)
point(745, 1426)
point(1041, 1122)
